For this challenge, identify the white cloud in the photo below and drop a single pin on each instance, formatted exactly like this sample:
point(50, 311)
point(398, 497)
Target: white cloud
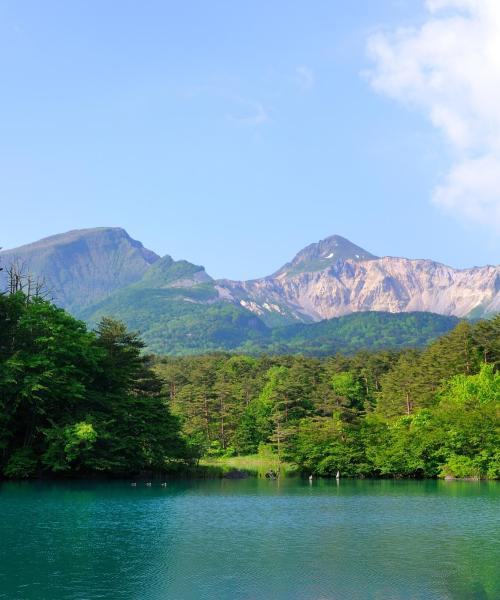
point(305, 78)
point(449, 68)
point(473, 187)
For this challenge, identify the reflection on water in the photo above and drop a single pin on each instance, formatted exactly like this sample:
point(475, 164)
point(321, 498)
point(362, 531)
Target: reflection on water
point(252, 539)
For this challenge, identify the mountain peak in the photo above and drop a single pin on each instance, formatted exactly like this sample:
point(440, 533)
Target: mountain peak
point(83, 266)
point(322, 254)
point(69, 237)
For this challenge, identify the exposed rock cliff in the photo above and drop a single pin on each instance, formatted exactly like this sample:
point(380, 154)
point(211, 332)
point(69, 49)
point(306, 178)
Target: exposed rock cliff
point(357, 281)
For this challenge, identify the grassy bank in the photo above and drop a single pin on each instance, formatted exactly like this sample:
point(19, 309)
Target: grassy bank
point(256, 464)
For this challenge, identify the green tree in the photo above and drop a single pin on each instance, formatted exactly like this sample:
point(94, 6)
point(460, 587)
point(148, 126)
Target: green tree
point(469, 411)
point(486, 335)
point(73, 401)
point(402, 388)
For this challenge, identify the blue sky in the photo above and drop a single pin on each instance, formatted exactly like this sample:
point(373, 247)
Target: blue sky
point(231, 134)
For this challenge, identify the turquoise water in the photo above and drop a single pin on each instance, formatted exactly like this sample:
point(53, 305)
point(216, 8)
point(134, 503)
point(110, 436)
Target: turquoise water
point(252, 539)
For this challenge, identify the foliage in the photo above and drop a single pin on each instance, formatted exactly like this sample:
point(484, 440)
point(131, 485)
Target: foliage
point(21, 464)
point(78, 401)
point(468, 411)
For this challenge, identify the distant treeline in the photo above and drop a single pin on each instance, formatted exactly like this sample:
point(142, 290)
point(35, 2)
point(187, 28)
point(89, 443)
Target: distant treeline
point(349, 333)
point(74, 401)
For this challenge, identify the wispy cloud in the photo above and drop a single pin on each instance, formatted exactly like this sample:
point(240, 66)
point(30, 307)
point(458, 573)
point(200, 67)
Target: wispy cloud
point(449, 68)
point(305, 78)
point(252, 113)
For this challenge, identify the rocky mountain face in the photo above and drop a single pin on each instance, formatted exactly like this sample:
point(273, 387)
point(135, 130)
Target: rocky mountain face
point(83, 266)
point(334, 277)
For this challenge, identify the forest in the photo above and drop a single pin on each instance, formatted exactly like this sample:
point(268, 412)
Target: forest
point(80, 402)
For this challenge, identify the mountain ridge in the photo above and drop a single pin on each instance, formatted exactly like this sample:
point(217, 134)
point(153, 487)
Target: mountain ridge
point(387, 284)
point(176, 304)
point(83, 266)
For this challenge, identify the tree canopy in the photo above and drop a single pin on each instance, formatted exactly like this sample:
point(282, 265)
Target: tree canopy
point(74, 401)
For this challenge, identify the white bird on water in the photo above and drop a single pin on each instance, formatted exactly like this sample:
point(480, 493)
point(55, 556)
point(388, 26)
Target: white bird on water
point(338, 475)
point(148, 483)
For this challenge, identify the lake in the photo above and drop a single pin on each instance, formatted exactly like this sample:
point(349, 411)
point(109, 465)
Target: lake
point(250, 539)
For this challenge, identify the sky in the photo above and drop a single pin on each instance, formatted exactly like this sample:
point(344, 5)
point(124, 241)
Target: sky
point(232, 134)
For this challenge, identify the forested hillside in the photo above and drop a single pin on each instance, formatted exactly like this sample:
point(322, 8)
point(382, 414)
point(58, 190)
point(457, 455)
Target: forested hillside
point(180, 322)
point(352, 333)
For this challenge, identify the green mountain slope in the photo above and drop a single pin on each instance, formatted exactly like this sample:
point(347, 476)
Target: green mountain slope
point(177, 310)
point(181, 321)
point(83, 266)
point(167, 272)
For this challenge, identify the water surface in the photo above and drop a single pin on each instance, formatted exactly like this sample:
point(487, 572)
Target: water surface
point(251, 540)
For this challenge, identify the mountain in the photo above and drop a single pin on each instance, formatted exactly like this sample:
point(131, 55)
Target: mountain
point(318, 284)
point(179, 308)
point(321, 255)
point(83, 266)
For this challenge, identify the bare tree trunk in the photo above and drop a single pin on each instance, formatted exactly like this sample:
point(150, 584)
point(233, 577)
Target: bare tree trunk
point(222, 433)
point(408, 404)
